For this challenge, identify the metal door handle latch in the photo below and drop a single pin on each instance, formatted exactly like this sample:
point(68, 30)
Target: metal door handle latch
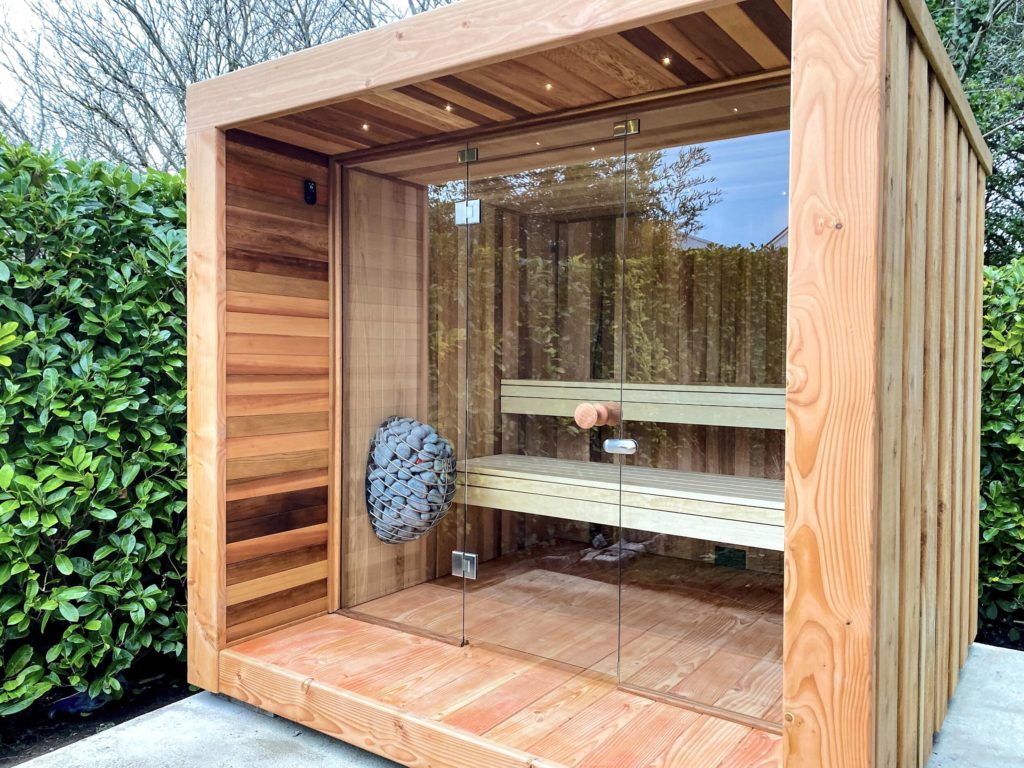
point(626, 446)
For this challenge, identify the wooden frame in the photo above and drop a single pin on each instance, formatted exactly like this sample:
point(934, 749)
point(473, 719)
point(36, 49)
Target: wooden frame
point(881, 408)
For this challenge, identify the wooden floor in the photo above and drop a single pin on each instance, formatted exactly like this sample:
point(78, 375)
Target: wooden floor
point(709, 634)
point(424, 702)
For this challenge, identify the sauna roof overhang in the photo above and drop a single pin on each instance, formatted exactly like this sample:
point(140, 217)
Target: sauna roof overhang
point(486, 65)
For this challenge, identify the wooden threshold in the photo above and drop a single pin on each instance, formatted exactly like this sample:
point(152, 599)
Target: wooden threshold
point(421, 702)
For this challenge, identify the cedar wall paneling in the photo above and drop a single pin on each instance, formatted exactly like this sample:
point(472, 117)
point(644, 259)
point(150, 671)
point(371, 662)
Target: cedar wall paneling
point(278, 353)
point(385, 367)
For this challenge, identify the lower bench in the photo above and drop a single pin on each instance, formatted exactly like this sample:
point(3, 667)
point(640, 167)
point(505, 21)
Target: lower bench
point(742, 511)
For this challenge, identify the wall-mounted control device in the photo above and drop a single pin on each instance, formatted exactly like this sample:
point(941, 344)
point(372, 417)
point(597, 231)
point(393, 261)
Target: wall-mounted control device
point(309, 191)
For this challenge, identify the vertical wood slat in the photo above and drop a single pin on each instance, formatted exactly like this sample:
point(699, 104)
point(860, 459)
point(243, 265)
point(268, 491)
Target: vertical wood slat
point(836, 178)
point(337, 382)
point(207, 592)
point(970, 425)
point(979, 314)
point(888, 534)
point(913, 253)
point(932, 415)
point(960, 422)
point(944, 594)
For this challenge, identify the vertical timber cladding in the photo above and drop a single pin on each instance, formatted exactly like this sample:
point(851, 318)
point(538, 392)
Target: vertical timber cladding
point(883, 360)
point(277, 385)
point(928, 462)
point(384, 338)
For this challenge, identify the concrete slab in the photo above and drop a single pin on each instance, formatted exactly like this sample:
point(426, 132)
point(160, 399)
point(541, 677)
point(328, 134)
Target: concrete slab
point(210, 731)
point(985, 724)
point(985, 729)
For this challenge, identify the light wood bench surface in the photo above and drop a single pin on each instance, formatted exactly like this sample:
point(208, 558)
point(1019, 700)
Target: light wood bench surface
point(741, 511)
point(713, 405)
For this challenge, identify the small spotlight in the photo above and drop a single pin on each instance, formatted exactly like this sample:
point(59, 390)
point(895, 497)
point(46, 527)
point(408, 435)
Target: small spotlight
point(666, 60)
point(548, 87)
point(735, 109)
point(537, 143)
point(447, 107)
point(593, 149)
point(366, 126)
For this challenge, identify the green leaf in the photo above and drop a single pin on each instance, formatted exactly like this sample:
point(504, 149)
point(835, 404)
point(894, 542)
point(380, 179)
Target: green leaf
point(68, 611)
point(6, 474)
point(63, 563)
point(89, 421)
point(116, 405)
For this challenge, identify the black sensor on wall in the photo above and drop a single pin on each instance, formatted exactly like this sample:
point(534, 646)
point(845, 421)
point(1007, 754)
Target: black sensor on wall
point(309, 191)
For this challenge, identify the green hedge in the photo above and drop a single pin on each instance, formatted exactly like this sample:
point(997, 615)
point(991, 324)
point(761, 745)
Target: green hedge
point(92, 422)
point(1002, 446)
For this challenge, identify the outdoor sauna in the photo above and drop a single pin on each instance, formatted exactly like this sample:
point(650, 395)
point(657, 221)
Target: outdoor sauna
point(596, 384)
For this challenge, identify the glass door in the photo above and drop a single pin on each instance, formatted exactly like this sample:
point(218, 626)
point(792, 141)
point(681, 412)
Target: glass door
point(544, 394)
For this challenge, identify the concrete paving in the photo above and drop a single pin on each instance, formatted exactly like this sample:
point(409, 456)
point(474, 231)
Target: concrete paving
point(212, 732)
point(984, 729)
point(985, 725)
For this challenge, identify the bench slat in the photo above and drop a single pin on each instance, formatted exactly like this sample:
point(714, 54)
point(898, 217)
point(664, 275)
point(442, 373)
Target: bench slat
point(732, 510)
point(727, 406)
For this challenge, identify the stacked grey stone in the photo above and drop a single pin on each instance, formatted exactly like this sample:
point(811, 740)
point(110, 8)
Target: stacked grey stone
point(410, 479)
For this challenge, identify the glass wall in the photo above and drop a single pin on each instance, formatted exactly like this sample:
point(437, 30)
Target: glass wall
point(606, 287)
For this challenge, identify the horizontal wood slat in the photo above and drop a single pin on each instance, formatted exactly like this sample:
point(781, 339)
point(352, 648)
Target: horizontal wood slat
point(277, 388)
point(274, 543)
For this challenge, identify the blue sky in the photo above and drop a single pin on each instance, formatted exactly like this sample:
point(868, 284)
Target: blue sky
point(753, 174)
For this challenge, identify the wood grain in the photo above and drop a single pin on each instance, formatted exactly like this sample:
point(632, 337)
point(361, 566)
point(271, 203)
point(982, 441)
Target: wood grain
point(451, 40)
point(277, 366)
point(206, 406)
point(832, 445)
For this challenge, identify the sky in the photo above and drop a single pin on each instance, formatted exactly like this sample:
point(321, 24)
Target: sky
point(17, 14)
point(753, 174)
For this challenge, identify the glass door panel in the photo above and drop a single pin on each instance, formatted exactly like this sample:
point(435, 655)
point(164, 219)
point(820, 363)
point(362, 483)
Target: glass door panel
point(544, 393)
point(704, 288)
point(404, 356)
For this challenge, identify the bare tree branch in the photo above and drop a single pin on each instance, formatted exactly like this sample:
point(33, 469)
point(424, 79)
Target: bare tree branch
point(107, 78)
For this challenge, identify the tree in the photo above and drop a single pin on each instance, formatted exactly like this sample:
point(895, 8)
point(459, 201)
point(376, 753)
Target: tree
point(985, 40)
point(107, 78)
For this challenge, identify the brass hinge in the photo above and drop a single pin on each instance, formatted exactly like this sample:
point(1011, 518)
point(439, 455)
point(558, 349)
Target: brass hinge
point(626, 128)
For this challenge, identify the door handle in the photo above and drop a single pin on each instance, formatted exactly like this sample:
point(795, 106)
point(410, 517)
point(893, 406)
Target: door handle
point(623, 445)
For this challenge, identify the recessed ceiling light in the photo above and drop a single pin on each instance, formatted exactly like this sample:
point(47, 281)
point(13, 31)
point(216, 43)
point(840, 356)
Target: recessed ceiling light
point(548, 87)
point(735, 109)
point(366, 126)
point(666, 60)
point(538, 143)
point(447, 107)
point(593, 149)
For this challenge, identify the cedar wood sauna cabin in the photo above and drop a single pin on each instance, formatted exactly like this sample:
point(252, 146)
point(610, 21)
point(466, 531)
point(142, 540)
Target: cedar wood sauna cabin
point(495, 217)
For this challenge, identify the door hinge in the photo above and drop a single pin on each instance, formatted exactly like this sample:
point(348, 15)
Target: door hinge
point(629, 127)
point(464, 564)
point(468, 155)
point(467, 212)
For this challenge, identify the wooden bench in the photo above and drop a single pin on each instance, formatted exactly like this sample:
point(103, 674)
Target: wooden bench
point(741, 511)
point(725, 406)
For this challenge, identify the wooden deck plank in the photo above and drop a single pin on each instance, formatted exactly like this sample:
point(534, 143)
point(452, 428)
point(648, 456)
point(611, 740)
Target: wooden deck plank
point(420, 701)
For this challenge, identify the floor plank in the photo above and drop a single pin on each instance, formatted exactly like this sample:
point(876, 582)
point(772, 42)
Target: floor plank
point(556, 713)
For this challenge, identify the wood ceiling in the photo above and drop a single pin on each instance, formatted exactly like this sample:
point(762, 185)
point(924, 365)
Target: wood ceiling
point(718, 45)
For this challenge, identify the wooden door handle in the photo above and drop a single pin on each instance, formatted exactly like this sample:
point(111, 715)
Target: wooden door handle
point(588, 415)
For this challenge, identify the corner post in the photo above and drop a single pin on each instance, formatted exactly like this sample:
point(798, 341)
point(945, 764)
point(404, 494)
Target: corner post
point(206, 405)
point(834, 362)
